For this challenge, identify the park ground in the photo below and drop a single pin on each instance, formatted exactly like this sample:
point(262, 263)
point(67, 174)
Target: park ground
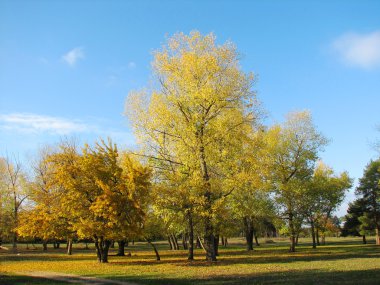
point(340, 261)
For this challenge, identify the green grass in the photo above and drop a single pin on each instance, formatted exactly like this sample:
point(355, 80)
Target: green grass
point(341, 261)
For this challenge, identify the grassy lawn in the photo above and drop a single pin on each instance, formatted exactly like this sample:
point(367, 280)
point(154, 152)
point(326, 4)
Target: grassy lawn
point(341, 261)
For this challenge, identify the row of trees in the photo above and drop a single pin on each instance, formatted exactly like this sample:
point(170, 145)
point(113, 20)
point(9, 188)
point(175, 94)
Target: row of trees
point(207, 166)
point(94, 193)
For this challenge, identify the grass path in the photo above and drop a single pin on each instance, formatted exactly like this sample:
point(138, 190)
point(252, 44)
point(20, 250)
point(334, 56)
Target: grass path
point(71, 278)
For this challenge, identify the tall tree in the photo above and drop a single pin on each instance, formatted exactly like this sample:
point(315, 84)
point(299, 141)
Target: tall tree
point(251, 199)
point(195, 120)
point(294, 148)
point(16, 192)
point(351, 225)
point(47, 219)
point(369, 189)
point(326, 191)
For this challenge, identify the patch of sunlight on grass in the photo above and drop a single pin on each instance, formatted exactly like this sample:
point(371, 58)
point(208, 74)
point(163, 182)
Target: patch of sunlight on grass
point(342, 260)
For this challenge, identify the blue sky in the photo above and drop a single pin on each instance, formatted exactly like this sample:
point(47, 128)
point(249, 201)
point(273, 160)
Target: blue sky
point(66, 67)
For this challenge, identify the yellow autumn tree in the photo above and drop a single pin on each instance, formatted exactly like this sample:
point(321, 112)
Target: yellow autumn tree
point(194, 120)
point(46, 220)
point(104, 197)
point(293, 149)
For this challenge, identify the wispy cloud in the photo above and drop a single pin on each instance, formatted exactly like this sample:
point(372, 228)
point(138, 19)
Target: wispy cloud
point(131, 65)
point(72, 56)
point(33, 123)
point(360, 50)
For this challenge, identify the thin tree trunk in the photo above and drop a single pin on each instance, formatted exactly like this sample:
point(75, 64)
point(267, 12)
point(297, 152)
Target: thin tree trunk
point(191, 237)
point(312, 227)
point(377, 230)
point(216, 244)
point(15, 212)
point(323, 236)
point(121, 248)
point(317, 236)
point(70, 246)
point(44, 245)
point(248, 230)
point(170, 242)
point(201, 245)
point(297, 236)
point(257, 241)
point(256, 238)
point(175, 241)
point(292, 234)
point(364, 240)
point(184, 240)
point(198, 243)
point(155, 251)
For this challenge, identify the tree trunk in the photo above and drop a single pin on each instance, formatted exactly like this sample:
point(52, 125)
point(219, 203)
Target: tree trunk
point(364, 240)
point(297, 236)
point(225, 242)
point(216, 244)
point(102, 247)
point(70, 246)
point(184, 241)
point(317, 235)
point(209, 240)
point(14, 242)
point(198, 243)
point(112, 244)
point(323, 236)
point(121, 248)
point(191, 237)
point(377, 230)
point(292, 234)
point(15, 212)
point(256, 238)
point(312, 227)
point(201, 245)
point(44, 245)
point(170, 243)
point(175, 241)
point(155, 251)
point(248, 230)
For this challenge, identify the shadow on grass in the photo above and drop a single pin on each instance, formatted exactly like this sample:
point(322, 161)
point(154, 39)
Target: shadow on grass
point(23, 280)
point(366, 277)
point(261, 257)
point(44, 257)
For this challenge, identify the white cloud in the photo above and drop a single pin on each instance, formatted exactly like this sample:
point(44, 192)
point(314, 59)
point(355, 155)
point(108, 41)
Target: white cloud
point(72, 57)
point(33, 123)
point(361, 50)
